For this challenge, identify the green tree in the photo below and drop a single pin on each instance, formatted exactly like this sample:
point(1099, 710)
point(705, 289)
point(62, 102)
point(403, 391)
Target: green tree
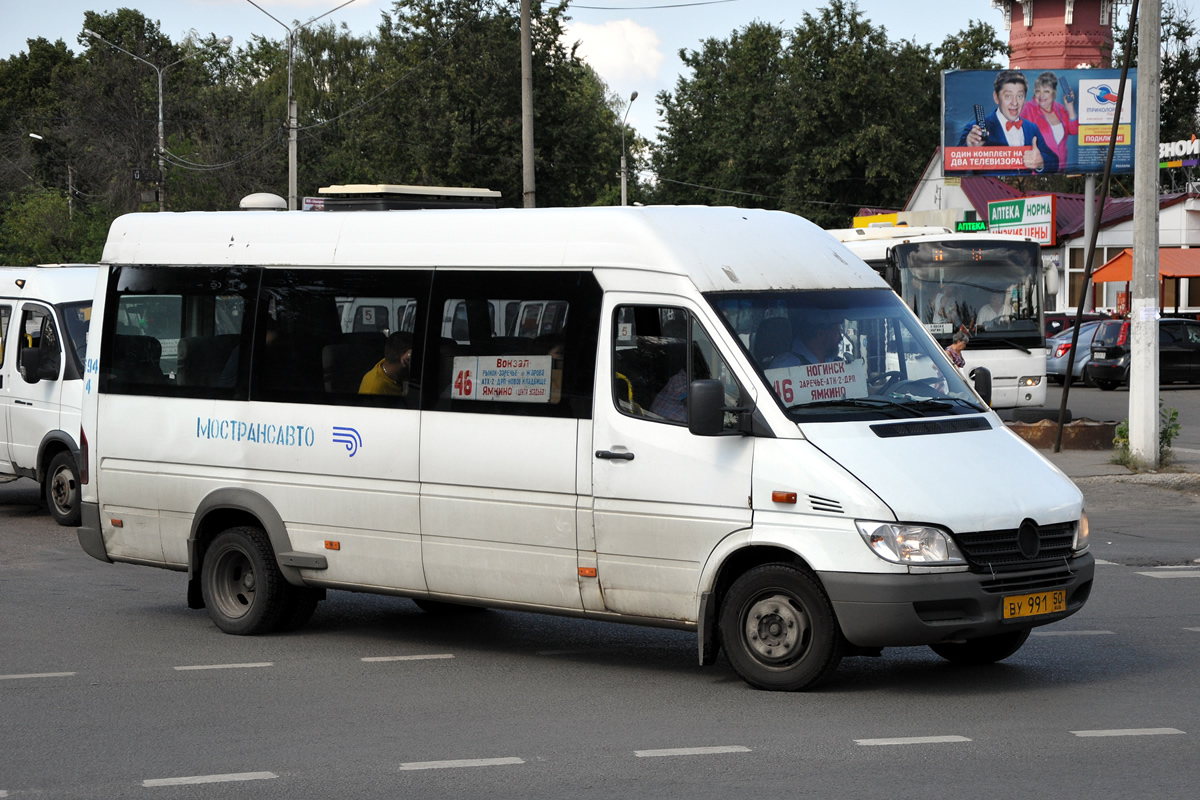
point(1179, 111)
point(976, 47)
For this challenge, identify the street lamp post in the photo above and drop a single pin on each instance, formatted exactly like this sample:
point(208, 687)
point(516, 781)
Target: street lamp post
point(162, 142)
point(292, 113)
point(632, 97)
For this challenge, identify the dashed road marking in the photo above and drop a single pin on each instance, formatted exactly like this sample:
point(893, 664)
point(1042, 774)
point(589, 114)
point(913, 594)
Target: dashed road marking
point(691, 751)
point(912, 740)
point(225, 666)
point(1129, 732)
point(1197, 630)
point(227, 778)
point(409, 658)
point(1100, 562)
point(1173, 572)
point(36, 675)
point(462, 762)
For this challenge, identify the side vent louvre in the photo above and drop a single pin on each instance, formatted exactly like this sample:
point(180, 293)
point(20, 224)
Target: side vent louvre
point(825, 504)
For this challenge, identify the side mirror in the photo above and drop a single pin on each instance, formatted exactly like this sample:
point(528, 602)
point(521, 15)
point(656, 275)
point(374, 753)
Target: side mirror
point(982, 377)
point(31, 357)
point(707, 409)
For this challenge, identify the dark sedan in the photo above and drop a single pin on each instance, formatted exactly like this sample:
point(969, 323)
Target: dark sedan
point(1178, 352)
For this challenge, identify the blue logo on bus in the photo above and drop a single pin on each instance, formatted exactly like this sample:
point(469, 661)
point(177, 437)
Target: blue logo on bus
point(349, 437)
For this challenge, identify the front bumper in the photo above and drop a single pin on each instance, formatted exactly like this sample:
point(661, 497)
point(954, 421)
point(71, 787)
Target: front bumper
point(904, 610)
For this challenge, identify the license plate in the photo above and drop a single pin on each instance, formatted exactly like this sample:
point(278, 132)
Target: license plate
point(1032, 605)
point(1099, 354)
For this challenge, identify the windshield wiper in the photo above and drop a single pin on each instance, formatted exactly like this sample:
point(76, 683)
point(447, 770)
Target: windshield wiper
point(862, 402)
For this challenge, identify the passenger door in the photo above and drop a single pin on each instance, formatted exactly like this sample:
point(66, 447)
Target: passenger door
point(663, 498)
point(34, 407)
point(504, 421)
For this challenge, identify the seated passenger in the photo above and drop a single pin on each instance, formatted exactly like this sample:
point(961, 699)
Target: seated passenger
point(390, 375)
point(671, 401)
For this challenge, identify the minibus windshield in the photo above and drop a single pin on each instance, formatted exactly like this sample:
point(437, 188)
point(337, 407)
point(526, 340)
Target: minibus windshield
point(844, 354)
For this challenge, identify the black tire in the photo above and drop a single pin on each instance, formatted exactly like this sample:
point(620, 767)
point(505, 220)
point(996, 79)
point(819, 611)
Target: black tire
point(61, 490)
point(987, 650)
point(442, 607)
point(298, 606)
point(1106, 385)
point(244, 591)
point(778, 629)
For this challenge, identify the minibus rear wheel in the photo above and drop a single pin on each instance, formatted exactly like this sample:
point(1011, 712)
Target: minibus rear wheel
point(985, 650)
point(244, 591)
point(778, 629)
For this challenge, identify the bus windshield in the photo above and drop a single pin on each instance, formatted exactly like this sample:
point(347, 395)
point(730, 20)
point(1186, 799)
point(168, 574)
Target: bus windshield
point(843, 354)
point(988, 289)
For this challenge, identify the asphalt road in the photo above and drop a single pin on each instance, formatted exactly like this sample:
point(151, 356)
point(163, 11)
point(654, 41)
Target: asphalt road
point(111, 687)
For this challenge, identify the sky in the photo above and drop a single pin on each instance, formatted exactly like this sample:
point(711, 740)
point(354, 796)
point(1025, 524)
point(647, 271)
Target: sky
point(632, 44)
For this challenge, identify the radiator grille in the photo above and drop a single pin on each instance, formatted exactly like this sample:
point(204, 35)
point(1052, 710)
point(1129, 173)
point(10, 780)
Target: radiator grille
point(1000, 551)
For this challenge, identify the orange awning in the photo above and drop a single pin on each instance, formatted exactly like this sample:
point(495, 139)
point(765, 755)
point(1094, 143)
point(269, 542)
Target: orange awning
point(1173, 262)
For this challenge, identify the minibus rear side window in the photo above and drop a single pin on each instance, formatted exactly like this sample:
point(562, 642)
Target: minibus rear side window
point(178, 331)
point(5, 316)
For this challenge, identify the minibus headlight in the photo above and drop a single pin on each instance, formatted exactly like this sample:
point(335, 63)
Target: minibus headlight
point(1082, 536)
point(910, 544)
point(1029, 380)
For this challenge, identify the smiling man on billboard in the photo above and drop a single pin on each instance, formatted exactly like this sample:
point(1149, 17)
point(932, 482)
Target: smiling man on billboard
point(1004, 127)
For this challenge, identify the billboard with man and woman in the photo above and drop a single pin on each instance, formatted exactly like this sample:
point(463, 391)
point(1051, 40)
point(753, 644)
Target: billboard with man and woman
point(1035, 121)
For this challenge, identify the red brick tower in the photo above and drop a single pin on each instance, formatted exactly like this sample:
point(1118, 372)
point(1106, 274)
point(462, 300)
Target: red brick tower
point(1059, 34)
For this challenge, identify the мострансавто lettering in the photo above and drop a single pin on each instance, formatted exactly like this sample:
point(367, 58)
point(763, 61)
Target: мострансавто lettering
point(233, 430)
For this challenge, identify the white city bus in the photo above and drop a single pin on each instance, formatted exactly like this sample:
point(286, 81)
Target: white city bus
point(949, 280)
point(656, 450)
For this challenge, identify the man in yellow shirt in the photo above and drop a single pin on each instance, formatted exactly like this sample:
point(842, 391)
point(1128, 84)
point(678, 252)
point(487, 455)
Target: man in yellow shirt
point(390, 375)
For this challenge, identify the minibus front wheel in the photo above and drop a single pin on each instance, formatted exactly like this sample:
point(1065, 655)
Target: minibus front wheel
point(244, 591)
point(778, 629)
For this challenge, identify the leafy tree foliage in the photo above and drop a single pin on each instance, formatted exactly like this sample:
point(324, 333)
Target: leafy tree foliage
point(432, 97)
point(1179, 113)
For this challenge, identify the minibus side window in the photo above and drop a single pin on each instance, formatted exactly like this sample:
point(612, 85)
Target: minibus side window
point(5, 316)
point(307, 351)
point(544, 366)
point(657, 352)
point(178, 331)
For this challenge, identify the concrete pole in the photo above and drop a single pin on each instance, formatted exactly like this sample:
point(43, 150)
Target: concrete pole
point(528, 180)
point(1143, 377)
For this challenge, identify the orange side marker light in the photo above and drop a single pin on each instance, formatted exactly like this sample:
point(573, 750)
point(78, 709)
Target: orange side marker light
point(783, 497)
point(587, 572)
point(332, 545)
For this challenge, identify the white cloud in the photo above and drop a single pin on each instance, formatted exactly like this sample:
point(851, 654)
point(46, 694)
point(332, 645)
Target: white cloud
point(620, 50)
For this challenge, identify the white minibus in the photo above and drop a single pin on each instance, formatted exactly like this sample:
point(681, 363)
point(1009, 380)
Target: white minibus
point(738, 429)
point(44, 317)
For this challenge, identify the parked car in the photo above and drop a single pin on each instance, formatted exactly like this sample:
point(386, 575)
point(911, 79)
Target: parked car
point(1058, 351)
point(1057, 323)
point(1178, 352)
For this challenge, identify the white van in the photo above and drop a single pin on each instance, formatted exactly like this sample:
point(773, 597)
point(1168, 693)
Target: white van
point(44, 317)
point(739, 430)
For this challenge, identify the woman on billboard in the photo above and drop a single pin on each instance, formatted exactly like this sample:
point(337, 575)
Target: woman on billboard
point(1056, 121)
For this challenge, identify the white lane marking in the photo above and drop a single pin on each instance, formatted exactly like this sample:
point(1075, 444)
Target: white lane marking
point(1073, 633)
point(691, 751)
point(1197, 630)
point(226, 666)
point(409, 658)
point(227, 778)
point(1102, 562)
point(1178, 573)
point(462, 762)
point(912, 740)
point(36, 675)
point(1130, 732)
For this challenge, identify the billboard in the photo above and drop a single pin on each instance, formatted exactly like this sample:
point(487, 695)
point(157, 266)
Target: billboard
point(1035, 121)
point(1024, 216)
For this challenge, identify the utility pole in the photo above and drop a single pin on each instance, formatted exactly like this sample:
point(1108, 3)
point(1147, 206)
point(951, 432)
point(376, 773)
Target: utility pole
point(1143, 371)
point(528, 182)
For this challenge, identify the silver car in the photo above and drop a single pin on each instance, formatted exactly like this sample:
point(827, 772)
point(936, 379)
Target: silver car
point(1058, 350)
